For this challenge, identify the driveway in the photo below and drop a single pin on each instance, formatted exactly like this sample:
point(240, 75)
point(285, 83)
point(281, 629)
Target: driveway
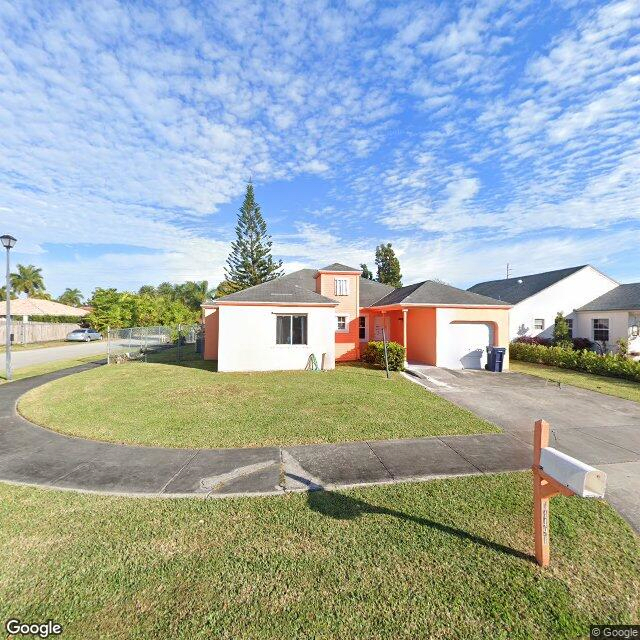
point(598, 429)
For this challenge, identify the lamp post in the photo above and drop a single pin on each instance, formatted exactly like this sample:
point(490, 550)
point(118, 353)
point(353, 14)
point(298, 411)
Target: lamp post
point(8, 242)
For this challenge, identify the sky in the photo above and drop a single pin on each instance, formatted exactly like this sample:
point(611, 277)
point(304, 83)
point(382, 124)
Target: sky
point(468, 134)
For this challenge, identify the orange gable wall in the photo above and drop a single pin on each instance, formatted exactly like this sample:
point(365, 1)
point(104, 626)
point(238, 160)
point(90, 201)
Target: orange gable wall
point(347, 344)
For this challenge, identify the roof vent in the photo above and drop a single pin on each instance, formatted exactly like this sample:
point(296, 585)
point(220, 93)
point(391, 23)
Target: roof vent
point(519, 280)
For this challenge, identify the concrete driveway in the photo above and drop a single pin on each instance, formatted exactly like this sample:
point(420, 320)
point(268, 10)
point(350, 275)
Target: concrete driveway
point(599, 429)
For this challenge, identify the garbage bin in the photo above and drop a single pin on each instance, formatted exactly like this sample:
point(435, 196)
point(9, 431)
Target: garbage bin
point(198, 344)
point(495, 359)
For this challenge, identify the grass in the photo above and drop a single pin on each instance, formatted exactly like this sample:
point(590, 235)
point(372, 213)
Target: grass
point(444, 559)
point(37, 345)
point(187, 405)
point(611, 386)
point(49, 367)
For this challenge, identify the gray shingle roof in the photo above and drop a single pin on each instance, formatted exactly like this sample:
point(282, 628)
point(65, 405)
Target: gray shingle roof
point(623, 297)
point(429, 292)
point(336, 266)
point(371, 291)
point(296, 287)
point(514, 290)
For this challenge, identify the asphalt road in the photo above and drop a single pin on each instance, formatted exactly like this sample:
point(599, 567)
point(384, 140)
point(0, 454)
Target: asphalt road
point(30, 357)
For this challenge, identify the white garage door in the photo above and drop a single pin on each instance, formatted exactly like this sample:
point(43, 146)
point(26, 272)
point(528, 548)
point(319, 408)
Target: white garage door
point(465, 345)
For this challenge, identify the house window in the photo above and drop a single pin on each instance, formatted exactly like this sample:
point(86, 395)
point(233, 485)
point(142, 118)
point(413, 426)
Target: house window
point(601, 329)
point(570, 326)
point(342, 287)
point(538, 324)
point(341, 323)
point(291, 329)
point(362, 327)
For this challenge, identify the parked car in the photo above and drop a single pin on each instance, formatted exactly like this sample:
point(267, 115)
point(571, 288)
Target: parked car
point(84, 335)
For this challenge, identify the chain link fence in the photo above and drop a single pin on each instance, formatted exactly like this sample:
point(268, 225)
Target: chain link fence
point(153, 344)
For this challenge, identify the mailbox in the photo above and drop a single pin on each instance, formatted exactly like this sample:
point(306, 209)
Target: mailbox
point(584, 480)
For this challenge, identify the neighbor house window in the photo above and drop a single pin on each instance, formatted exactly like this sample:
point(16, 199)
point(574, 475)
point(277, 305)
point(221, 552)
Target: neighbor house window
point(362, 327)
point(291, 329)
point(538, 324)
point(601, 329)
point(570, 326)
point(341, 323)
point(342, 287)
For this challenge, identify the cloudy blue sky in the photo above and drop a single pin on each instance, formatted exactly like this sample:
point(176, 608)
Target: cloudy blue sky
point(469, 134)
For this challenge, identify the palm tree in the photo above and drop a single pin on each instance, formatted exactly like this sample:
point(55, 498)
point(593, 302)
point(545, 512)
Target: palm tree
point(28, 280)
point(72, 297)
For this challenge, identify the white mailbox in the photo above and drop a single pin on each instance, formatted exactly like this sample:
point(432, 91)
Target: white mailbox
point(583, 479)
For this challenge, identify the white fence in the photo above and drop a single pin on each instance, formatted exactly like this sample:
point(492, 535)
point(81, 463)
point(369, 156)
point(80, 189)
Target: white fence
point(27, 332)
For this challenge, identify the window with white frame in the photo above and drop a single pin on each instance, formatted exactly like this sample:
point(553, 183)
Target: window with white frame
point(291, 329)
point(341, 323)
point(342, 287)
point(362, 327)
point(601, 329)
point(570, 327)
point(538, 324)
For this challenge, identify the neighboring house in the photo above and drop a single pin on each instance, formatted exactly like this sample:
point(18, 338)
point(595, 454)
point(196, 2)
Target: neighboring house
point(538, 298)
point(612, 316)
point(333, 312)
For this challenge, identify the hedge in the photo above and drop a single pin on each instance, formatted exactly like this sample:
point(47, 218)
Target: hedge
point(374, 354)
point(615, 366)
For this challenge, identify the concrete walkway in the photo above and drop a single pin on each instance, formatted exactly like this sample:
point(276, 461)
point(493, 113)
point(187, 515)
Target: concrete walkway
point(37, 456)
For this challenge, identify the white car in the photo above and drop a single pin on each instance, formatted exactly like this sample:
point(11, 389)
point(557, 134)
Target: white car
point(84, 335)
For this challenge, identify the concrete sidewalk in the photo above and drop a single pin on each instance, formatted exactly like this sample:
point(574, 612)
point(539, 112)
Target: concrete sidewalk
point(32, 455)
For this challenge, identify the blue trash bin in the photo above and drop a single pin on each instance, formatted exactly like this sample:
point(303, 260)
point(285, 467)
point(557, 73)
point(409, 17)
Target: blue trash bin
point(495, 360)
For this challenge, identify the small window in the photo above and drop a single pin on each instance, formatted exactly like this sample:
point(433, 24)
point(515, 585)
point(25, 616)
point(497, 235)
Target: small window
point(341, 323)
point(570, 326)
point(362, 327)
point(291, 329)
point(342, 287)
point(538, 324)
point(601, 329)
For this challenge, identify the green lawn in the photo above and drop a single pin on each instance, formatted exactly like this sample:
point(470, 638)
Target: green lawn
point(48, 367)
point(180, 405)
point(444, 559)
point(611, 386)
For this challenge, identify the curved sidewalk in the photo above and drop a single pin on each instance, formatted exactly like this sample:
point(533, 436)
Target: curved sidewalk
point(33, 455)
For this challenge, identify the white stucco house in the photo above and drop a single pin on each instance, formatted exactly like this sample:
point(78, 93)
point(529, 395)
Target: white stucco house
point(595, 305)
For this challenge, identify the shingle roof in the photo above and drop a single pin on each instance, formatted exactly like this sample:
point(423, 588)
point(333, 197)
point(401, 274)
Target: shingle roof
point(371, 291)
point(336, 266)
point(296, 287)
point(514, 290)
point(39, 307)
point(623, 297)
point(429, 292)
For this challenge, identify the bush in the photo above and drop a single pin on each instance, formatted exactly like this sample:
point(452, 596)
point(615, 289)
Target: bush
point(546, 342)
point(582, 343)
point(374, 354)
point(615, 366)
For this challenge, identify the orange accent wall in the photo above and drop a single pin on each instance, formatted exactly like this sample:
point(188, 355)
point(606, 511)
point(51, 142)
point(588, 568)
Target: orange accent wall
point(211, 330)
point(421, 335)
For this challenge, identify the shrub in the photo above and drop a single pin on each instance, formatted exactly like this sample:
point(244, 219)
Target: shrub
point(582, 343)
point(615, 366)
point(561, 337)
point(533, 340)
point(374, 354)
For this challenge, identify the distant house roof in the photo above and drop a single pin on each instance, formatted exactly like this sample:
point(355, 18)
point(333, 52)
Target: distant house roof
point(39, 307)
point(336, 266)
point(514, 290)
point(429, 292)
point(624, 297)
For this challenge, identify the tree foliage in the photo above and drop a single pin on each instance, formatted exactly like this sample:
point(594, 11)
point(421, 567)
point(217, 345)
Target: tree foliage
point(561, 333)
point(388, 265)
point(250, 261)
point(28, 279)
point(366, 273)
point(72, 297)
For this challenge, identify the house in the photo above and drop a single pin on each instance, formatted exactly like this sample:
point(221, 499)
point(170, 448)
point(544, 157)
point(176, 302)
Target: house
point(612, 316)
point(331, 313)
point(538, 298)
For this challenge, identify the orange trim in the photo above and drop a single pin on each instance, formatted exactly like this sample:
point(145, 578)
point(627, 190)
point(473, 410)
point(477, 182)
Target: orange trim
point(408, 305)
point(340, 273)
point(236, 303)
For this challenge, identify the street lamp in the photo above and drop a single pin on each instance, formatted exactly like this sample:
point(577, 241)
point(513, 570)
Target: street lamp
point(8, 242)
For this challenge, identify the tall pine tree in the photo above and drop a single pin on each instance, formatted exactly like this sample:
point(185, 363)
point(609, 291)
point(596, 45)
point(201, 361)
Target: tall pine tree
point(250, 261)
point(388, 266)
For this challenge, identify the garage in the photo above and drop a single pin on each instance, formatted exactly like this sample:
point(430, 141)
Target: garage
point(465, 345)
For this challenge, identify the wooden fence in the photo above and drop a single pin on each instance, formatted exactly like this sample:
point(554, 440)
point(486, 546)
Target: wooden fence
point(27, 332)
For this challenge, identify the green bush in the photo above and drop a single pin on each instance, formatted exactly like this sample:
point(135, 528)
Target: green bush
point(374, 354)
point(614, 366)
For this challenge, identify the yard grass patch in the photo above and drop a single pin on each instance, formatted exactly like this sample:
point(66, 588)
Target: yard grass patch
point(49, 367)
point(181, 405)
point(446, 559)
point(626, 389)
